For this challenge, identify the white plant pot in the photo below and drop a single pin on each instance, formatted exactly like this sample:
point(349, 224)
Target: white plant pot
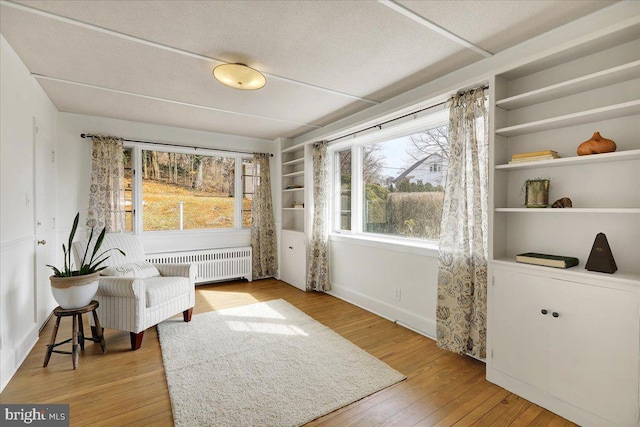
point(76, 291)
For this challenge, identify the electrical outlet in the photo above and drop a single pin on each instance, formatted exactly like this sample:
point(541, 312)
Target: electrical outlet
point(398, 294)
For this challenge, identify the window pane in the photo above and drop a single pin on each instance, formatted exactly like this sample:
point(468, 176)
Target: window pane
point(344, 202)
point(187, 191)
point(128, 191)
point(249, 180)
point(404, 183)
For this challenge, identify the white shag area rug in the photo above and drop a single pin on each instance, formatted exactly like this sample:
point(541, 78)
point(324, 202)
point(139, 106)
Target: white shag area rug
point(264, 364)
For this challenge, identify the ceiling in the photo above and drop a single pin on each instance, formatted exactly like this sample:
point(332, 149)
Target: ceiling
point(151, 61)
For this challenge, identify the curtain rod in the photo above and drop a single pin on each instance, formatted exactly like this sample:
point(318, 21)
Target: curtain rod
point(379, 125)
point(88, 135)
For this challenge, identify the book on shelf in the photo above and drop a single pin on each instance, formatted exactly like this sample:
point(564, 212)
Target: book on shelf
point(293, 186)
point(534, 154)
point(533, 159)
point(547, 260)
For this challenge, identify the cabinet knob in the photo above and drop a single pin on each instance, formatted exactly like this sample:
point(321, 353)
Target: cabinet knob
point(555, 314)
point(544, 311)
point(290, 247)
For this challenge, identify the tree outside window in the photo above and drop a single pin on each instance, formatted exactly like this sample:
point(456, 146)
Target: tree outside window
point(403, 184)
point(187, 191)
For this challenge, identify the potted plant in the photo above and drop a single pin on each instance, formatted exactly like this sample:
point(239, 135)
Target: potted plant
point(76, 288)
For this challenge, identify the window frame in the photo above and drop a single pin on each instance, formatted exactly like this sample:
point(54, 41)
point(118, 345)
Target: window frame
point(136, 161)
point(425, 246)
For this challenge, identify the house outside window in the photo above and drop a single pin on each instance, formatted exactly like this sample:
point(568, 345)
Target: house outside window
point(398, 184)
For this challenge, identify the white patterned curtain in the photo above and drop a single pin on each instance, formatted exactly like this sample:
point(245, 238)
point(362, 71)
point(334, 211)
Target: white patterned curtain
point(462, 272)
point(106, 192)
point(318, 274)
point(263, 226)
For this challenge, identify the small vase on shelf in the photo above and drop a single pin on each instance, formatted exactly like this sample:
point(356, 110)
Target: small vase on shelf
point(596, 145)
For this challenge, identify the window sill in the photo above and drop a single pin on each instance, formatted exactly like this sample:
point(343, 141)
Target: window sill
point(192, 232)
point(423, 248)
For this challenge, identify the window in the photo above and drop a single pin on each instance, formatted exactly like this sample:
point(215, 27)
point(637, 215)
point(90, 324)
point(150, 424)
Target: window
point(399, 184)
point(250, 179)
point(343, 162)
point(128, 190)
point(186, 189)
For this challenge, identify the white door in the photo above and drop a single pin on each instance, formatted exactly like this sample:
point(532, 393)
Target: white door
point(44, 176)
point(293, 259)
point(519, 328)
point(594, 350)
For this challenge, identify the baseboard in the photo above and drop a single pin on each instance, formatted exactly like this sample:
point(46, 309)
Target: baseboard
point(421, 325)
point(541, 398)
point(16, 356)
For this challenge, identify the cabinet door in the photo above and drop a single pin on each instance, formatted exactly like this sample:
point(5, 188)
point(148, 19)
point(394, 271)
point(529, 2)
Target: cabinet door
point(518, 328)
point(594, 350)
point(293, 261)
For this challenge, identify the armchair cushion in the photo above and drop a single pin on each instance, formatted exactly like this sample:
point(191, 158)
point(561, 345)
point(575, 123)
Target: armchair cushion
point(161, 289)
point(139, 270)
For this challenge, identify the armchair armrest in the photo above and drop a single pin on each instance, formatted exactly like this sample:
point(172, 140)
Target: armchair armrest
point(127, 287)
point(181, 270)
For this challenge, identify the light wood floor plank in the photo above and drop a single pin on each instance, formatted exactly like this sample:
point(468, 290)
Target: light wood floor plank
point(127, 388)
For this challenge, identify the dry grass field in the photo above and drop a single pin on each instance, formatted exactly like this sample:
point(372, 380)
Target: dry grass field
point(201, 210)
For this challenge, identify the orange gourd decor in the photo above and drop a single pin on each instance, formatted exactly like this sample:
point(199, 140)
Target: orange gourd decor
point(596, 145)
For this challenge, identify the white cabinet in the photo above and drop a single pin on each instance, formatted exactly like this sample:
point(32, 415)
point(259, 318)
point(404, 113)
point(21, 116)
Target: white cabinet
point(294, 259)
point(573, 342)
point(584, 363)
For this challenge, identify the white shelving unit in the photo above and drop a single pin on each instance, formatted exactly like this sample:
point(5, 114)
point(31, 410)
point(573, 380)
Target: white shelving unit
point(293, 175)
point(577, 160)
point(576, 361)
point(572, 211)
point(294, 218)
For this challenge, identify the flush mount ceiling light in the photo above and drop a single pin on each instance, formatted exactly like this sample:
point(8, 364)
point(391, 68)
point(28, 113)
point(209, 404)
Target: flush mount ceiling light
point(239, 76)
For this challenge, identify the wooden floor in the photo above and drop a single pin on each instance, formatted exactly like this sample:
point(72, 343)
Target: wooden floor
point(127, 388)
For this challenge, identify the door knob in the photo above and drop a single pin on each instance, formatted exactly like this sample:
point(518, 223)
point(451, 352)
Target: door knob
point(42, 242)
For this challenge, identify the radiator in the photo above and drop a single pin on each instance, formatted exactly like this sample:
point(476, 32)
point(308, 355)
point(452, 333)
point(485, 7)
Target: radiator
point(213, 264)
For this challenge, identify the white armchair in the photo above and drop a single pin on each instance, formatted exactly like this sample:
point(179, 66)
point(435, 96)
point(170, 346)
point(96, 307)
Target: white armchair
point(135, 295)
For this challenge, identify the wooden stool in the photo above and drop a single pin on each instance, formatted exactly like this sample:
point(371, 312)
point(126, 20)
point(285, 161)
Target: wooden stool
point(78, 332)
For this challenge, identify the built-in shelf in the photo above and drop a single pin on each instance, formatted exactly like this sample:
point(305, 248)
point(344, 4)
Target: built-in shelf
point(293, 174)
point(294, 162)
point(571, 87)
point(572, 210)
point(293, 148)
point(294, 189)
point(581, 117)
point(577, 160)
point(291, 230)
point(546, 104)
point(627, 278)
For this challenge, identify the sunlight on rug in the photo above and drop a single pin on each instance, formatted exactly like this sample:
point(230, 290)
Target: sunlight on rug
point(264, 364)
